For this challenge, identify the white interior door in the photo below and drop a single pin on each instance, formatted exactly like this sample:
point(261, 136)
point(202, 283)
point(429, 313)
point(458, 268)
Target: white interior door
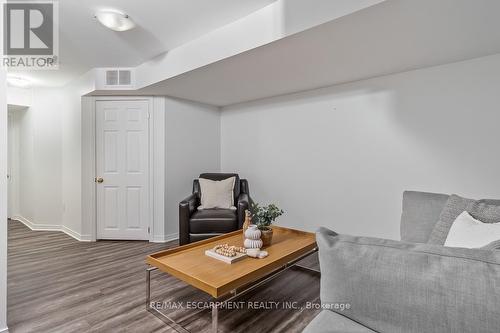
point(10, 158)
point(122, 163)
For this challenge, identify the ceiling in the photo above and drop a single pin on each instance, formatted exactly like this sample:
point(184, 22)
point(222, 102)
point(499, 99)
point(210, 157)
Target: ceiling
point(161, 26)
point(390, 37)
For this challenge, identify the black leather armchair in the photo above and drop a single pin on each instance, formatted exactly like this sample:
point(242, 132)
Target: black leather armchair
point(195, 225)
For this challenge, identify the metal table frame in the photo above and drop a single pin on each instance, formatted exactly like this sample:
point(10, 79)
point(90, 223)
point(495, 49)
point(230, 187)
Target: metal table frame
point(223, 299)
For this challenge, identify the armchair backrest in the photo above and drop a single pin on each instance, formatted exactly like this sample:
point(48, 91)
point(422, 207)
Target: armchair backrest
point(219, 176)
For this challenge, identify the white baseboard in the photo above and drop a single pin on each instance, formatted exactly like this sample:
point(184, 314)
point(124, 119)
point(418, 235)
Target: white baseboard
point(51, 227)
point(4, 330)
point(36, 226)
point(76, 235)
point(165, 238)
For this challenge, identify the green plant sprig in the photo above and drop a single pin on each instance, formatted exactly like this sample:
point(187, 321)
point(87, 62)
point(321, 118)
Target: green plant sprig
point(264, 216)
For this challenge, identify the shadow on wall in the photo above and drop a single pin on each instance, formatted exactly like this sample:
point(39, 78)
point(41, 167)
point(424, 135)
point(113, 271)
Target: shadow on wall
point(450, 114)
point(342, 156)
point(297, 16)
point(311, 153)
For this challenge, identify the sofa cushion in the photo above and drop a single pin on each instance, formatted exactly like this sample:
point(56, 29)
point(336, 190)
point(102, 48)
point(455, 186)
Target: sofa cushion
point(213, 221)
point(396, 286)
point(421, 212)
point(331, 322)
point(485, 210)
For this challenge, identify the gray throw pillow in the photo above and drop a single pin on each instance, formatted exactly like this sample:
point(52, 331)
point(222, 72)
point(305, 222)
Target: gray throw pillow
point(484, 210)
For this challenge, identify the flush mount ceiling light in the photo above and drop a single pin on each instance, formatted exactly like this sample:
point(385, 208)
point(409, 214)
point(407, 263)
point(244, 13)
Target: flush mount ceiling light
point(19, 82)
point(114, 20)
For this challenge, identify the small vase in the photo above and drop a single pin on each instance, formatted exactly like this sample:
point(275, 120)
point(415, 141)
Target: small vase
point(267, 237)
point(252, 243)
point(248, 221)
point(252, 232)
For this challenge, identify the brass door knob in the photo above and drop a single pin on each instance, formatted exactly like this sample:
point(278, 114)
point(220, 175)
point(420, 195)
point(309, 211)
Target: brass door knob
point(99, 180)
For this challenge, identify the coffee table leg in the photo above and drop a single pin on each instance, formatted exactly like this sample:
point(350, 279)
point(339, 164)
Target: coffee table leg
point(153, 310)
point(148, 288)
point(215, 318)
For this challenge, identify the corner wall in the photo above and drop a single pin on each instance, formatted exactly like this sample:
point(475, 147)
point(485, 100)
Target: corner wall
point(342, 156)
point(71, 160)
point(192, 147)
point(49, 151)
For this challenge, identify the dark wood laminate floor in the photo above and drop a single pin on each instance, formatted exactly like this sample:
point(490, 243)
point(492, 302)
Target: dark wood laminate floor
point(57, 284)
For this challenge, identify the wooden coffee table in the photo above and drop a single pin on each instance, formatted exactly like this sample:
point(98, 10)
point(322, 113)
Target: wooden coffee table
point(225, 282)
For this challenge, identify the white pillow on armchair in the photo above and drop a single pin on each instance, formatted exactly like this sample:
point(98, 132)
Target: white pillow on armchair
point(217, 193)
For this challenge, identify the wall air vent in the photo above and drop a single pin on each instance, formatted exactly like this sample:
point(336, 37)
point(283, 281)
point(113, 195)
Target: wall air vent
point(124, 77)
point(115, 79)
point(112, 78)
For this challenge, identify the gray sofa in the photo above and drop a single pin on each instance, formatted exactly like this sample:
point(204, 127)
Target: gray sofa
point(379, 285)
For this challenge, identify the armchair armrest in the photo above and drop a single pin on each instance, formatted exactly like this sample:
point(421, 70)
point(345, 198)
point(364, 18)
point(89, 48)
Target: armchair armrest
point(244, 186)
point(186, 209)
point(243, 204)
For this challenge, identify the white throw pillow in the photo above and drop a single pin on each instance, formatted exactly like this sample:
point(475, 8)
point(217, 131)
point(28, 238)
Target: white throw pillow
point(217, 193)
point(470, 233)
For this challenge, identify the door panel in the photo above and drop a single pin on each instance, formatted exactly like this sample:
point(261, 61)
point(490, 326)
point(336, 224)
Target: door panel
point(122, 160)
point(133, 207)
point(133, 151)
point(111, 139)
point(111, 207)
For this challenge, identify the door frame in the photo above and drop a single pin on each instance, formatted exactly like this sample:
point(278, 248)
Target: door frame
point(10, 143)
point(15, 113)
point(156, 107)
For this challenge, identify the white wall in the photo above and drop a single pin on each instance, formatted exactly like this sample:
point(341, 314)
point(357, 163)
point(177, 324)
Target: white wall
point(71, 159)
point(13, 155)
point(47, 166)
point(40, 161)
point(19, 96)
point(192, 147)
point(24, 120)
point(3, 203)
point(342, 156)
